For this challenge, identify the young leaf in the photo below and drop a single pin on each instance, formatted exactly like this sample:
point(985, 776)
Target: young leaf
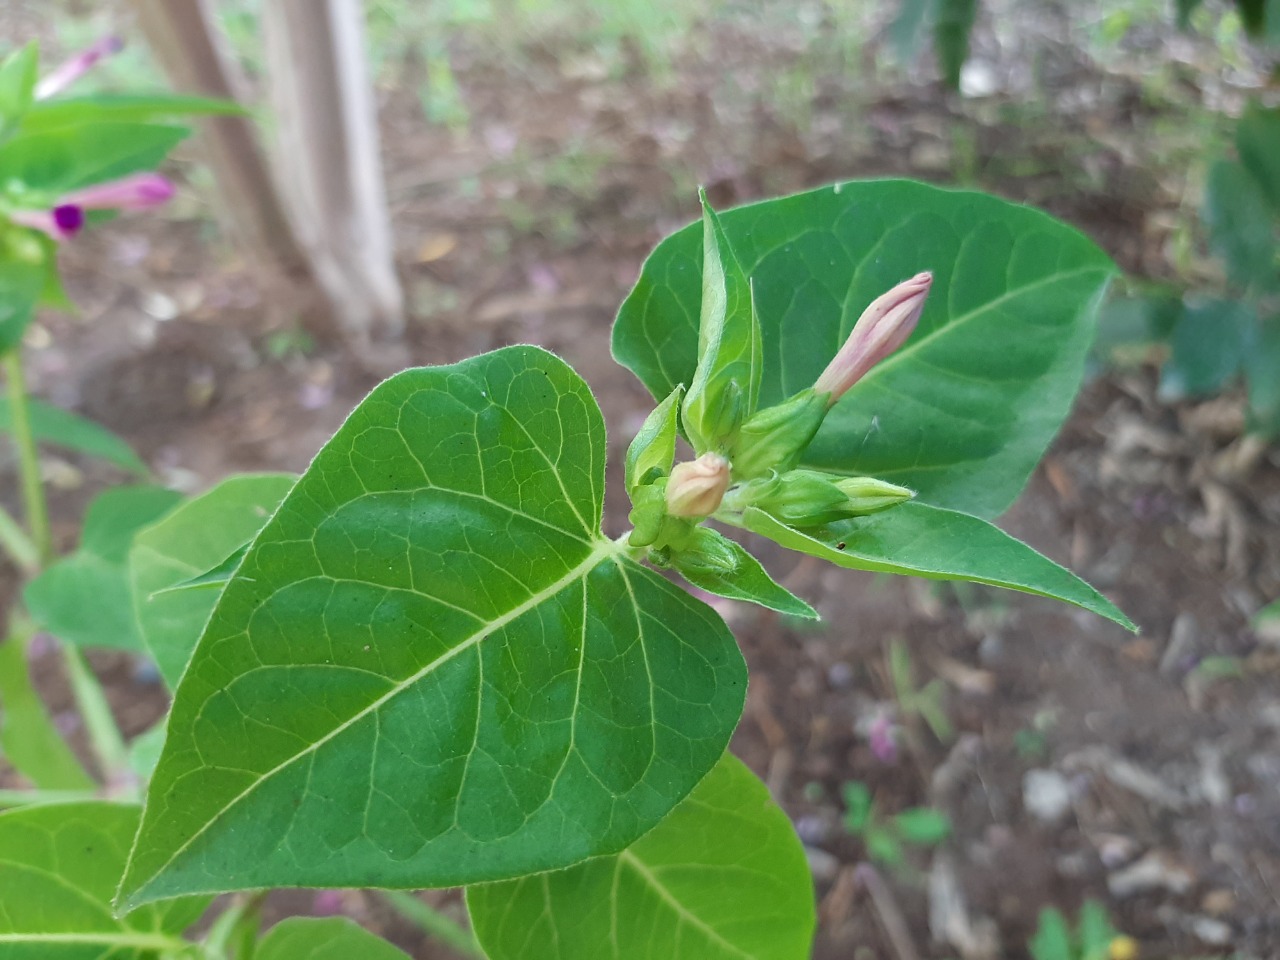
point(725, 386)
point(84, 599)
point(28, 739)
point(1053, 937)
point(332, 938)
point(1258, 143)
point(59, 864)
point(57, 160)
point(883, 847)
point(1262, 369)
point(747, 581)
point(62, 428)
point(858, 807)
point(948, 416)
point(655, 445)
point(1094, 930)
point(21, 281)
point(1242, 228)
point(188, 542)
point(122, 108)
point(922, 826)
point(432, 630)
point(18, 74)
point(923, 541)
point(1209, 345)
point(722, 878)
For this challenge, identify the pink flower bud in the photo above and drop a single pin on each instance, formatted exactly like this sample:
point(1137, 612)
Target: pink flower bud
point(883, 327)
point(136, 192)
point(696, 487)
point(75, 68)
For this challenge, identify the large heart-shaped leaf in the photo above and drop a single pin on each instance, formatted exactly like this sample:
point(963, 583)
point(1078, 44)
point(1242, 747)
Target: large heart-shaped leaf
point(722, 878)
point(59, 866)
point(431, 669)
point(965, 409)
point(198, 535)
point(919, 540)
point(84, 599)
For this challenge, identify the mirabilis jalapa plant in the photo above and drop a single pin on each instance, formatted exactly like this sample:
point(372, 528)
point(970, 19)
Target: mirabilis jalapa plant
point(423, 664)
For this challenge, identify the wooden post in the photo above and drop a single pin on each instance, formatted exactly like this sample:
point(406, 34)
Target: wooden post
point(182, 37)
point(328, 156)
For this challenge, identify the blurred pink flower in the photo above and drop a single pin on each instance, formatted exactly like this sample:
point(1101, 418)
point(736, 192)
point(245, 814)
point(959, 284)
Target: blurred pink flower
point(60, 223)
point(138, 191)
point(882, 739)
point(75, 68)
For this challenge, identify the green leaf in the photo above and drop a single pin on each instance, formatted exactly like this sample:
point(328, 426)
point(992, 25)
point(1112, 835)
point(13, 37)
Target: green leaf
point(1209, 345)
point(1241, 226)
point(431, 630)
point(725, 386)
point(1053, 937)
point(747, 581)
point(922, 826)
point(883, 847)
point(654, 447)
point(66, 158)
point(18, 75)
point(62, 428)
point(187, 543)
point(952, 23)
point(84, 598)
point(333, 938)
point(28, 739)
point(59, 865)
point(22, 278)
point(724, 876)
point(1262, 370)
point(1258, 143)
point(122, 108)
point(916, 539)
point(1095, 930)
point(948, 416)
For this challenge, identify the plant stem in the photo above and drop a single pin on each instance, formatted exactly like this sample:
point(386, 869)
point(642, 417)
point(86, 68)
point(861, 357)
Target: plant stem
point(433, 922)
point(28, 459)
point(104, 735)
point(17, 544)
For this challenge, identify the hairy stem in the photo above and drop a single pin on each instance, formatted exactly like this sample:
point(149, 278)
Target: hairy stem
point(28, 460)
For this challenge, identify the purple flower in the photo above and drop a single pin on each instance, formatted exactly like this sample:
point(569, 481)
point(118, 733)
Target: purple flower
point(882, 740)
point(138, 191)
point(883, 327)
point(75, 68)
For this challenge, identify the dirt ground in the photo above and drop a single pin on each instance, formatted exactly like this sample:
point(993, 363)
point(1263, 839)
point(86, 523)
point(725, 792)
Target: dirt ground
point(1086, 762)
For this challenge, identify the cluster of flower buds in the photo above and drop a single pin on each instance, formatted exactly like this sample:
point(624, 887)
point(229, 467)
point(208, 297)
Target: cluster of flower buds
point(757, 466)
point(65, 215)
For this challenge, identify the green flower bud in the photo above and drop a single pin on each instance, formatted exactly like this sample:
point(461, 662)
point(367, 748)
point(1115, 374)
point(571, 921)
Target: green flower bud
point(776, 437)
point(648, 512)
point(869, 495)
point(810, 498)
point(707, 552)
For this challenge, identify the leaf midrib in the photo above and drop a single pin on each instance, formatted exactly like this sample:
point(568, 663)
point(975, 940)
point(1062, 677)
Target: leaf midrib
point(603, 550)
point(636, 864)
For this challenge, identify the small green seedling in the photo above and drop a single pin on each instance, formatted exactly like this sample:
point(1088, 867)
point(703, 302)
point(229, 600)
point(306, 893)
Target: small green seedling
point(887, 841)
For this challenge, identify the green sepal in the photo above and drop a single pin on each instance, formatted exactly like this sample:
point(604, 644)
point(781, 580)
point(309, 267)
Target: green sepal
point(648, 513)
point(810, 498)
point(776, 438)
point(726, 384)
point(721, 566)
point(654, 446)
